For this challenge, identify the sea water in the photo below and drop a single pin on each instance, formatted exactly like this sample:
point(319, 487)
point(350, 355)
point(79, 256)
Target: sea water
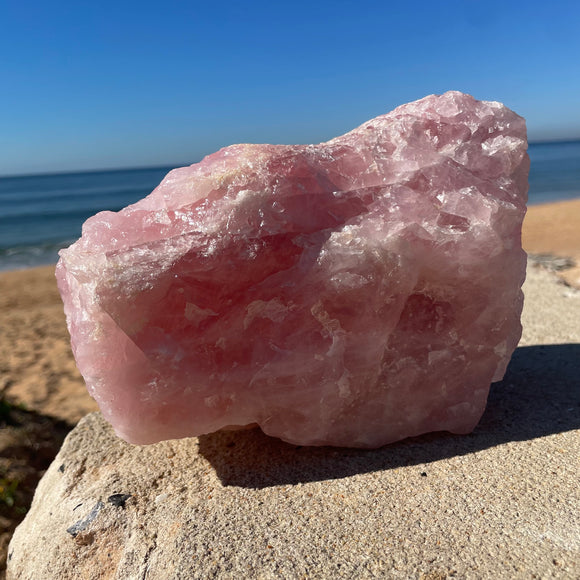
point(39, 214)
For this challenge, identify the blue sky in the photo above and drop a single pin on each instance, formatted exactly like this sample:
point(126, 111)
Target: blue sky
point(107, 84)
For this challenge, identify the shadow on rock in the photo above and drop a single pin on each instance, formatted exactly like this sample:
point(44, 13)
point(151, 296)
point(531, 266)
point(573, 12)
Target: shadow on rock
point(539, 396)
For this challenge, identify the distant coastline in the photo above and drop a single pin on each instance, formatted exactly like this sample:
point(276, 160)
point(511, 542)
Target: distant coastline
point(168, 167)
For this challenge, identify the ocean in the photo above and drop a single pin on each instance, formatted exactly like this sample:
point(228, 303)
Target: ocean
point(39, 214)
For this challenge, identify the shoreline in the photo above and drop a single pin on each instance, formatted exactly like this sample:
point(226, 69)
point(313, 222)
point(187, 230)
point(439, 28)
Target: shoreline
point(551, 229)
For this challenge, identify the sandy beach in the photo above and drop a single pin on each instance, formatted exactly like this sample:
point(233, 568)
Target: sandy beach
point(554, 229)
point(38, 373)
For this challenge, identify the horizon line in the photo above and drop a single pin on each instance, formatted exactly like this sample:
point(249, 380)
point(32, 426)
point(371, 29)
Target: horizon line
point(174, 166)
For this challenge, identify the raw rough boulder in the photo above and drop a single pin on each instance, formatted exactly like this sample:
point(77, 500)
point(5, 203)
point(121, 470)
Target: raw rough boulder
point(352, 293)
point(497, 504)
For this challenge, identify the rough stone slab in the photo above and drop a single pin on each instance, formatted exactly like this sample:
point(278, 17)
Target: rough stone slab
point(499, 503)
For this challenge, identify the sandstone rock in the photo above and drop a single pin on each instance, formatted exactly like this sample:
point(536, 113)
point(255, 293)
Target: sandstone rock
point(351, 293)
point(496, 504)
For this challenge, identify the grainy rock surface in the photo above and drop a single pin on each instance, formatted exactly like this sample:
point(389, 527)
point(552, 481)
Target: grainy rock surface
point(499, 503)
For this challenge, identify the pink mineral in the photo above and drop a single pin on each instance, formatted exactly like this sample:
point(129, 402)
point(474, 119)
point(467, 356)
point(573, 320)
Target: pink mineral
point(351, 293)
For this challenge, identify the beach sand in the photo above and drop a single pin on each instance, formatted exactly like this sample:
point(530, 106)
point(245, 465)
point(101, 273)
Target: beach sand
point(37, 369)
point(554, 229)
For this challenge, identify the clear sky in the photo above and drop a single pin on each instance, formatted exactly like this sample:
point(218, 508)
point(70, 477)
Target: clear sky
point(106, 84)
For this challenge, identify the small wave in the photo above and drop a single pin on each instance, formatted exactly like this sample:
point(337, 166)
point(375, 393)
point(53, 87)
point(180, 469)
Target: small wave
point(20, 257)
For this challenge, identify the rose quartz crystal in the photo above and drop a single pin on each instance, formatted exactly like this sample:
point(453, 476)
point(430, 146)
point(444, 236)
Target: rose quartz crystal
point(351, 293)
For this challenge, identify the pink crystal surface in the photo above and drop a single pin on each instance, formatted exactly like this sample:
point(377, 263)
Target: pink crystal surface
point(350, 293)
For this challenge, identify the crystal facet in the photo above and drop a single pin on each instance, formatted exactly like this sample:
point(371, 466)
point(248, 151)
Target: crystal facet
point(351, 293)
